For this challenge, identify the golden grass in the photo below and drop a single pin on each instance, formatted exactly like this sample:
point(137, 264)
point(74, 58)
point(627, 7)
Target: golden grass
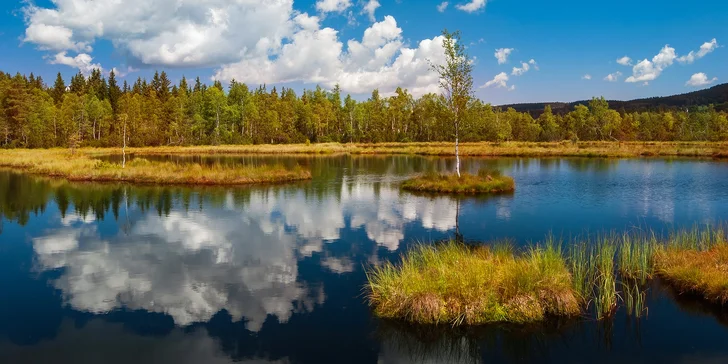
point(484, 182)
point(505, 149)
point(455, 284)
point(698, 264)
point(80, 167)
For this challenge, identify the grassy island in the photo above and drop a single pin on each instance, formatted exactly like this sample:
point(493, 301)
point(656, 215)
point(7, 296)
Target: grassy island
point(458, 284)
point(486, 181)
point(79, 166)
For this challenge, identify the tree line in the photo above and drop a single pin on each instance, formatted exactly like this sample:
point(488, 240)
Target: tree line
point(98, 111)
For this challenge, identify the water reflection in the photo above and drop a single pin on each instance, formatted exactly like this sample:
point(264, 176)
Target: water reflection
point(229, 272)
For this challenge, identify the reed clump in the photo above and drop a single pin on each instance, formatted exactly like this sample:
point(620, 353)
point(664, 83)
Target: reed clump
point(456, 284)
point(80, 167)
point(486, 181)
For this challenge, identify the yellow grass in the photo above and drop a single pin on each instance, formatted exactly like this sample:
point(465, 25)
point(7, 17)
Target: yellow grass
point(455, 284)
point(506, 149)
point(484, 182)
point(80, 167)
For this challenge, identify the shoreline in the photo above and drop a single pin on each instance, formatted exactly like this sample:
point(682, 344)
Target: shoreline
point(715, 150)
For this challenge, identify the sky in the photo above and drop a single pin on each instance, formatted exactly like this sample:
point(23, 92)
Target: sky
point(522, 51)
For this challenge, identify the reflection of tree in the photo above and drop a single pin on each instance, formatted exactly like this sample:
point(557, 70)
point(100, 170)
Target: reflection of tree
point(20, 196)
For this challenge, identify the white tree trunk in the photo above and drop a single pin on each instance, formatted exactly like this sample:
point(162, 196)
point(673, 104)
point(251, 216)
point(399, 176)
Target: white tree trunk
point(123, 149)
point(457, 157)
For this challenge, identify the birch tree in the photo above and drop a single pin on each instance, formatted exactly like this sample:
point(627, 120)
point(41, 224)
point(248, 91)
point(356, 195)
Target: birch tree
point(456, 81)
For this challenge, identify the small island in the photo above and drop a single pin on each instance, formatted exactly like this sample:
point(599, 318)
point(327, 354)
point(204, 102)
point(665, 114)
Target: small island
point(486, 181)
point(79, 166)
point(453, 283)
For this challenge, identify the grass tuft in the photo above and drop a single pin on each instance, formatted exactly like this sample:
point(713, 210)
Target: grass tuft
point(456, 284)
point(486, 181)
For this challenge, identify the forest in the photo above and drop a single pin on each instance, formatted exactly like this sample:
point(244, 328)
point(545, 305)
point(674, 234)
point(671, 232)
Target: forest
point(97, 111)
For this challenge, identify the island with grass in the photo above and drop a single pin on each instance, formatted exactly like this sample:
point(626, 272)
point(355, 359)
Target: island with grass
point(485, 182)
point(453, 283)
point(80, 166)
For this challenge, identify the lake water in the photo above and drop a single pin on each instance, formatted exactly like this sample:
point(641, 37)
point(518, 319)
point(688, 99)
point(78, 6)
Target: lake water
point(113, 273)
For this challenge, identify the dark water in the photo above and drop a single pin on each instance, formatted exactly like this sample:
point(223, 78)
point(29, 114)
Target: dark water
point(110, 273)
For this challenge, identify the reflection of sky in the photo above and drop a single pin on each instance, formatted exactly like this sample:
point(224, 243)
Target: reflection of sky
point(286, 252)
point(244, 259)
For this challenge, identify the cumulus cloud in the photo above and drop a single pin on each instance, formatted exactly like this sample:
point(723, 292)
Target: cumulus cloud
point(625, 61)
point(613, 77)
point(472, 6)
point(706, 48)
point(525, 67)
point(83, 62)
point(499, 81)
point(370, 8)
point(700, 79)
point(501, 54)
point(330, 6)
point(646, 70)
point(316, 55)
point(278, 44)
point(443, 6)
point(586, 77)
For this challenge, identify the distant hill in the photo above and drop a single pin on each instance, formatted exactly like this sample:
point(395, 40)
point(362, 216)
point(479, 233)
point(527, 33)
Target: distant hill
point(716, 95)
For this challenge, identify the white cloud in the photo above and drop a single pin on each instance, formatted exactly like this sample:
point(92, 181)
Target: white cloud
point(169, 33)
point(316, 55)
point(501, 54)
point(331, 6)
point(625, 61)
point(700, 79)
point(82, 61)
point(525, 67)
point(370, 8)
point(54, 37)
point(472, 6)
point(646, 70)
point(706, 48)
point(443, 6)
point(613, 77)
point(500, 81)
point(586, 77)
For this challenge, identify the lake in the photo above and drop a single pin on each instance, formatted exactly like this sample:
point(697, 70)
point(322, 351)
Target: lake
point(117, 273)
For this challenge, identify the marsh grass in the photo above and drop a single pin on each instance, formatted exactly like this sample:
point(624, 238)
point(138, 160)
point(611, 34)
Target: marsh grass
point(486, 181)
point(504, 149)
point(80, 167)
point(696, 261)
point(456, 284)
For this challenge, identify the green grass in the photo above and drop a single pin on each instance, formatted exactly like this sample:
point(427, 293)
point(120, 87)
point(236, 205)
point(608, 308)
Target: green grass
point(455, 284)
point(486, 181)
point(80, 167)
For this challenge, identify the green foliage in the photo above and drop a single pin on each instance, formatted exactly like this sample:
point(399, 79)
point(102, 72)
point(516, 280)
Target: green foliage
point(159, 113)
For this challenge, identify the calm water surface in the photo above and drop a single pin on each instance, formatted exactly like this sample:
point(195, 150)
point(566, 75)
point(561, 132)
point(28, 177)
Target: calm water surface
point(113, 273)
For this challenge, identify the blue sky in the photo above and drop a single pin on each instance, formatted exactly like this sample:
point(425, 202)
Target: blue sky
point(306, 42)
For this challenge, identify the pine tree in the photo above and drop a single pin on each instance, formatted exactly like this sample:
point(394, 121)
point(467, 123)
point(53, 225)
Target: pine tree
point(59, 89)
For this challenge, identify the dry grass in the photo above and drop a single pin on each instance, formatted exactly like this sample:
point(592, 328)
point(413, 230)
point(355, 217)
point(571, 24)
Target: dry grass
point(484, 182)
point(80, 167)
point(456, 284)
point(696, 262)
point(506, 149)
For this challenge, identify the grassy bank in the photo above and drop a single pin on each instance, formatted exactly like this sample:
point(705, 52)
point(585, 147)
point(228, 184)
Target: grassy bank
point(455, 284)
point(80, 167)
point(485, 181)
point(483, 149)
